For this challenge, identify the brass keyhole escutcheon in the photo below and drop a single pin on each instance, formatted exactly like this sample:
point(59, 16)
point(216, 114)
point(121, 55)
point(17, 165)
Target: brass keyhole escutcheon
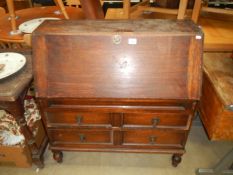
point(82, 137)
point(116, 39)
point(155, 122)
point(152, 140)
point(79, 119)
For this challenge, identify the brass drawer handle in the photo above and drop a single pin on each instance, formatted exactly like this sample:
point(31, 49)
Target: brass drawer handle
point(82, 137)
point(152, 140)
point(155, 122)
point(79, 119)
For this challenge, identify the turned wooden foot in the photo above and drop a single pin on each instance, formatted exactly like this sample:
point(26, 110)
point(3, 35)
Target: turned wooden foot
point(58, 156)
point(39, 162)
point(231, 167)
point(176, 159)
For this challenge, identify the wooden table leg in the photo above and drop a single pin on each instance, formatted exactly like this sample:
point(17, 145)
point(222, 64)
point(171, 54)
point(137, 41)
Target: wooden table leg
point(224, 166)
point(10, 6)
point(92, 9)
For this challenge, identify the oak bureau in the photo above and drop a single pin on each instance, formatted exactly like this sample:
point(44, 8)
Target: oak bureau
point(118, 86)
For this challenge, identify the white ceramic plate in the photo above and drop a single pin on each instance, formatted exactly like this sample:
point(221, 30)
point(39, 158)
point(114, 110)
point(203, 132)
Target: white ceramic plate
point(12, 62)
point(31, 25)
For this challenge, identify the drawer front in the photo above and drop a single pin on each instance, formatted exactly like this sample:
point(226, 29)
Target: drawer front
point(75, 136)
point(155, 120)
point(154, 137)
point(79, 118)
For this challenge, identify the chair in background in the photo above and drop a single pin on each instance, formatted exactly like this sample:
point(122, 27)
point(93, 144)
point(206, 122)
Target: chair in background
point(71, 3)
point(128, 9)
point(202, 6)
point(91, 8)
point(61, 5)
point(143, 6)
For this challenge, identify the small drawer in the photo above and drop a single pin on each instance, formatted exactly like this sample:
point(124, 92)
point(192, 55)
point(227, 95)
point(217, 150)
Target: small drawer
point(154, 137)
point(76, 136)
point(155, 120)
point(79, 118)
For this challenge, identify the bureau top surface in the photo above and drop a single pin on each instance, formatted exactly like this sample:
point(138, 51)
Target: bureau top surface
point(219, 69)
point(65, 27)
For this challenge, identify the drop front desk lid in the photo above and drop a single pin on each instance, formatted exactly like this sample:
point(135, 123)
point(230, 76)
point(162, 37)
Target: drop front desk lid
point(139, 59)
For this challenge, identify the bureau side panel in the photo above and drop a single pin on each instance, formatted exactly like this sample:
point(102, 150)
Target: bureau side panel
point(195, 67)
point(40, 65)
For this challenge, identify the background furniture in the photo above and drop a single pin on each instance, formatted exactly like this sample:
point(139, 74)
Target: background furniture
point(21, 156)
point(125, 86)
point(92, 9)
point(199, 8)
point(143, 6)
point(12, 94)
point(12, 18)
point(71, 3)
point(2, 11)
point(217, 27)
point(218, 34)
point(216, 106)
point(31, 13)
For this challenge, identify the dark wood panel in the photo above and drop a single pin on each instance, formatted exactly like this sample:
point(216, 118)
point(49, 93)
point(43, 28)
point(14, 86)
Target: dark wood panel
point(173, 105)
point(146, 70)
point(118, 148)
point(92, 9)
point(125, 64)
point(80, 136)
point(79, 119)
point(155, 120)
point(153, 137)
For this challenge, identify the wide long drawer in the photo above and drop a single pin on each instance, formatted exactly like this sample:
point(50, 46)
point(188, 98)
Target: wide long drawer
point(155, 120)
point(154, 137)
point(79, 118)
point(76, 136)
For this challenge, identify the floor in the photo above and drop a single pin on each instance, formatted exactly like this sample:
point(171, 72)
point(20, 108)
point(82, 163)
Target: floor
point(200, 153)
